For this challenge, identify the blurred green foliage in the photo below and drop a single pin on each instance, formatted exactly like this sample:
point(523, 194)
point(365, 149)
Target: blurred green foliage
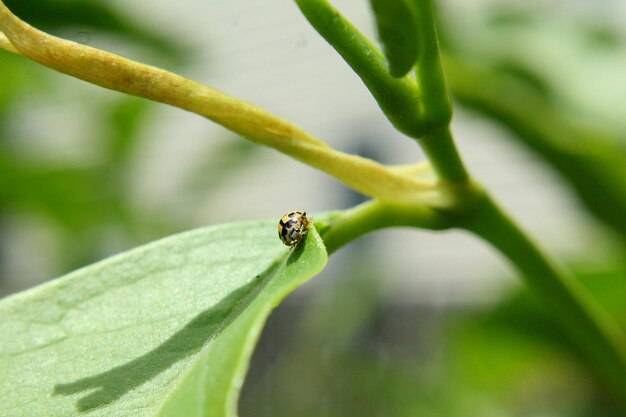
point(515, 89)
point(82, 16)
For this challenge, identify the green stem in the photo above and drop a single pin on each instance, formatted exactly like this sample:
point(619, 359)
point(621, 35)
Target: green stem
point(422, 112)
point(596, 334)
point(437, 110)
point(375, 215)
point(398, 98)
point(443, 155)
point(436, 114)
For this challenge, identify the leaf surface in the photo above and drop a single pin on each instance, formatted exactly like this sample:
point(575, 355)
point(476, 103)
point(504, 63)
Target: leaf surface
point(166, 329)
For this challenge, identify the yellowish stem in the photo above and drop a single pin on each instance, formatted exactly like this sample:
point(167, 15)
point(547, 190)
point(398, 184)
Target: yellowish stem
point(6, 44)
point(256, 124)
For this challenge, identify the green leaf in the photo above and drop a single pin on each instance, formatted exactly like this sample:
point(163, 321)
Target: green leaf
point(163, 330)
point(398, 33)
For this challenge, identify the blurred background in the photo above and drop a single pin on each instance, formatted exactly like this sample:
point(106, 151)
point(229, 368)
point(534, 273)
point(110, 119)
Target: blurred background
point(403, 322)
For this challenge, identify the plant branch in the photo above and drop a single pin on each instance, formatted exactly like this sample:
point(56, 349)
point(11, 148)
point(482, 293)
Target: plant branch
point(373, 215)
point(419, 109)
point(428, 72)
point(590, 328)
point(443, 155)
point(258, 125)
point(398, 98)
point(437, 141)
point(593, 331)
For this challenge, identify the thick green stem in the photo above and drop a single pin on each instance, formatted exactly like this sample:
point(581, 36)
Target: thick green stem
point(595, 333)
point(375, 215)
point(443, 155)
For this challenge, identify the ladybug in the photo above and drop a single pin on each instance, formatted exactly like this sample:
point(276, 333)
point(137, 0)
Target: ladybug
point(292, 227)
